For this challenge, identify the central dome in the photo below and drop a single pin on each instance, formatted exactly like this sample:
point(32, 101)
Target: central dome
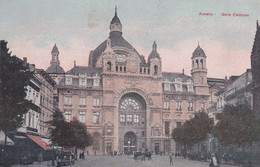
point(116, 40)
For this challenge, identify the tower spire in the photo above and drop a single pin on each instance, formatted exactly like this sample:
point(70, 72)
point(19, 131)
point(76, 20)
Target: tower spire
point(154, 46)
point(115, 10)
point(257, 25)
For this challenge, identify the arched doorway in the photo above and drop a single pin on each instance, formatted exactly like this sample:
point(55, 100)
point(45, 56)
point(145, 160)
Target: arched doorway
point(132, 123)
point(130, 143)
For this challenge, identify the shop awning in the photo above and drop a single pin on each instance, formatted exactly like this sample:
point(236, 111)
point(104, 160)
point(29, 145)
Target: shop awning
point(2, 139)
point(38, 140)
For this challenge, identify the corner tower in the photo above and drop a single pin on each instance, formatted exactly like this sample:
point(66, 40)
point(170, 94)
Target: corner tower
point(199, 71)
point(154, 61)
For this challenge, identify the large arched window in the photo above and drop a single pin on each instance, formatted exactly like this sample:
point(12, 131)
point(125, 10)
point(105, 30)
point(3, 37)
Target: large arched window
point(129, 103)
point(132, 101)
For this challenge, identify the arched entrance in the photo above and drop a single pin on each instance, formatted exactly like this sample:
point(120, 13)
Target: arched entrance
point(130, 143)
point(132, 123)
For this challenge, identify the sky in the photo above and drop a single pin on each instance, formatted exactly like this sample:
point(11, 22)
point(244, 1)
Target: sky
point(32, 27)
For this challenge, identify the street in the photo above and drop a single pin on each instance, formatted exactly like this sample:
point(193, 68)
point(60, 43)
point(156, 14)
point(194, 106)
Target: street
point(128, 161)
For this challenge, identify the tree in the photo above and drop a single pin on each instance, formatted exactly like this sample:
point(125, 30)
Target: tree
point(69, 134)
point(237, 126)
point(194, 130)
point(81, 137)
point(14, 77)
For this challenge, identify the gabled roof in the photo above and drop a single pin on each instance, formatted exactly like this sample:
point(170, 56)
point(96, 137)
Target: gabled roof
point(171, 76)
point(83, 70)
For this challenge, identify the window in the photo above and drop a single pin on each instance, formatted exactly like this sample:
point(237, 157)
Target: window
point(96, 81)
point(166, 86)
point(67, 115)
point(190, 87)
point(178, 87)
point(167, 128)
point(29, 120)
point(122, 118)
point(201, 61)
point(178, 124)
point(166, 105)
point(178, 105)
point(68, 80)
point(144, 70)
point(155, 69)
point(89, 83)
point(82, 101)
point(124, 69)
point(129, 118)
point(136, 118)
point(33, 120)
point(202, 106)
point(190, 107)
point(96, 117)
point(141, 70)
point(82, 116)
point(96, 102)
point(120, 68)
point(108, 66)
point(143, 119)
point(116, 68)
point(82, 81)
point(67, 100)
point(109, 131)
point(197, 63)
point(156, 132)
point(143, 134)
point(201, 80)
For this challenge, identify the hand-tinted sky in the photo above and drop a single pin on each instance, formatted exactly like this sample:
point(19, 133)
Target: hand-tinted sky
point(78, 26)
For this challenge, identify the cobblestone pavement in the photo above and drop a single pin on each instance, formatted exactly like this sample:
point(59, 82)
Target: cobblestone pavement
point(128, 161)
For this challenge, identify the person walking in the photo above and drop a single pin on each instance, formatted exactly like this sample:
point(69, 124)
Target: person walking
point(40, 158)
point(171, 159)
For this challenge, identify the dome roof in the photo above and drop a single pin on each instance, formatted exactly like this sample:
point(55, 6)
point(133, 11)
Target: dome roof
point(116, 39)
point(198, 52)
point(154, 53)
point(55, 69)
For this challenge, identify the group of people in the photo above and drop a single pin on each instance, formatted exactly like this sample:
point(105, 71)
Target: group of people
point(213, 160)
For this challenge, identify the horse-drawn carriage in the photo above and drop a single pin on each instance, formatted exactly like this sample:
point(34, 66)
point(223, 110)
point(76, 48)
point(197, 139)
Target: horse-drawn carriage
point(141, 156)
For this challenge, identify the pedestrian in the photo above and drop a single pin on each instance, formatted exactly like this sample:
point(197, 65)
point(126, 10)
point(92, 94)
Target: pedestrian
point(213, 161)
point(171, 159)
point(70, 160)
point(83, 155)
point(40, 158)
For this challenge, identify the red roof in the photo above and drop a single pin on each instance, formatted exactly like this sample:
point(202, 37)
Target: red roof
point(38, 140)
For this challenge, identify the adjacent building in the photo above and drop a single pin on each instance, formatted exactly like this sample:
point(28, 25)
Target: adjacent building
point(255, 65)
